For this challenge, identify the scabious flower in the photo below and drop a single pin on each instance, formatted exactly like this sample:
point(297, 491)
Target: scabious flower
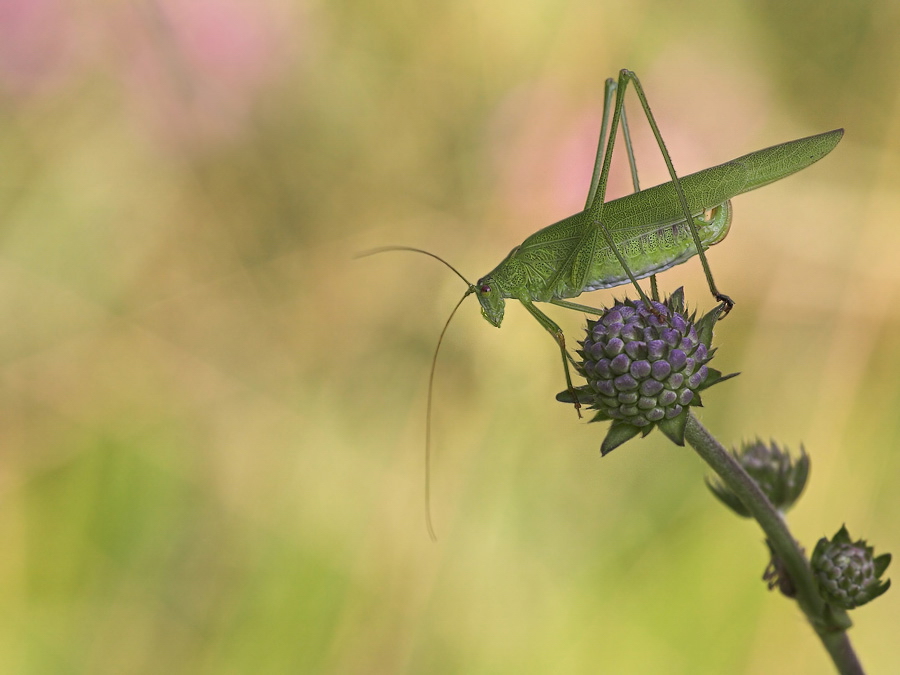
point(848, 573)
point(645, 366)
point(781, 478)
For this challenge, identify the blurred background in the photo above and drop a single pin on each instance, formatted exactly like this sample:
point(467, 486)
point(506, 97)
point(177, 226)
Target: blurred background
point(212, 415)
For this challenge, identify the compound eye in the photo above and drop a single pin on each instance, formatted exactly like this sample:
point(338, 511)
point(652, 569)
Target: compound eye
point(485, 289)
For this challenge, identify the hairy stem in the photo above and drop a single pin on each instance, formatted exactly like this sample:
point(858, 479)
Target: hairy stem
point(830, 624)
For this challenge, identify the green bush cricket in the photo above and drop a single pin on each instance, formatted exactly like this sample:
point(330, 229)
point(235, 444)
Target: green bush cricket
point(633, 237)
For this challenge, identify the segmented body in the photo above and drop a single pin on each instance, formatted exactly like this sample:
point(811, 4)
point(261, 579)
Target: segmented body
point(572, 256)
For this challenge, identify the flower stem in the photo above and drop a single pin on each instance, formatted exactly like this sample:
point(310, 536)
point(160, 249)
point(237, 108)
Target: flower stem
point(829, 623)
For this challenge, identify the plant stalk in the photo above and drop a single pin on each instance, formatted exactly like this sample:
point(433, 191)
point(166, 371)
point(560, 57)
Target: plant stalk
point(830, 624)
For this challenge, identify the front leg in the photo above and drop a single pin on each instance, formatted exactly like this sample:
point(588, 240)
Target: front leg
point(551, 327)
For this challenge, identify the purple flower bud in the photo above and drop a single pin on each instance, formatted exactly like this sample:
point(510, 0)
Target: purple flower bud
point(619, 365)
point(640, 370)
point(656, 349)
point(646, 366)
point(677, 359)
point(651, 387)
point(660, 370)
point(613, 347)
point(625, 383)
point(636, 350)
point(675, 381)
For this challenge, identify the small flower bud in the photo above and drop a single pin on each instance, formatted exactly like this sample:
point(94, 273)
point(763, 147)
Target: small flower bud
point(848, 573)
point(645, 367)
point(777, 475)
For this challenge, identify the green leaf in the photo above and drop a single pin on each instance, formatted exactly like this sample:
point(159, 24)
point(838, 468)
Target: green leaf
point(618, 433)
point(842, 536)
point(675, 302)
point(705, 326)
point(674, 428)
point(584, 392)
point(881, 564)
point(801, 474)
point(727, 497)
point(819, 550)
point(881, 590)
point(715, 377)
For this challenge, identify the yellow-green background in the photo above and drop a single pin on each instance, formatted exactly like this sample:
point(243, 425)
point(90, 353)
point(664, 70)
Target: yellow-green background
point(212, 416)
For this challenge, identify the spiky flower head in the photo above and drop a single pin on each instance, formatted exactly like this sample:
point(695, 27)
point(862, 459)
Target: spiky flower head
point(645, 366)
point(780, 477)
point(848, 573)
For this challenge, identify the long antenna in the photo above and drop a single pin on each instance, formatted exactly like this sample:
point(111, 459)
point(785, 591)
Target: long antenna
point(428, 522)
point(384, 249)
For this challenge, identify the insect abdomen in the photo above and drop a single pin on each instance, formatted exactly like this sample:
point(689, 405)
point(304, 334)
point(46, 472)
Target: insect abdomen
point(648, 251)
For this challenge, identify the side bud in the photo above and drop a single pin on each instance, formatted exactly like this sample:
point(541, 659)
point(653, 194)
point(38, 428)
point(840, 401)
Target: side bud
point(848, 573)
point(779, 476)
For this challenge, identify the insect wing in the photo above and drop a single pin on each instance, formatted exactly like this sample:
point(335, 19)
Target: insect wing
point(710, 187)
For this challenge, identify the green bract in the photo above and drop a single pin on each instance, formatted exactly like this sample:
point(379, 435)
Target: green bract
point(645, 366)
point(777, 475)
point(848, 573)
